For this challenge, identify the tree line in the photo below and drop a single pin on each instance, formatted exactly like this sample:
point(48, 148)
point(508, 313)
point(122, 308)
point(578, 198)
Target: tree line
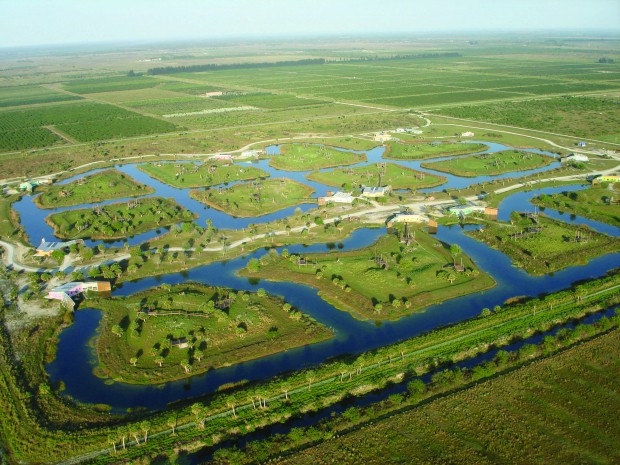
point(219, 67)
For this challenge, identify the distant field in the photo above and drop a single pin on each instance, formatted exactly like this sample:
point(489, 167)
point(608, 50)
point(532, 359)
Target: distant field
point(29, 95)
point(270, 101)
point(176, 105)
point(90, 86)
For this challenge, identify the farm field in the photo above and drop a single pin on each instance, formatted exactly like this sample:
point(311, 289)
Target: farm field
point(255, 198)
point(110, 84)
point(555, 410)
point(105, 185)
point(490, 164)
point(220, 327)
point(387, 280)
point(305, 157)
point(594, 203)
point(209, 173)
point(118, 220)
point(421, 151)
point(30, 95)
point(399, 177)
point(546, 246)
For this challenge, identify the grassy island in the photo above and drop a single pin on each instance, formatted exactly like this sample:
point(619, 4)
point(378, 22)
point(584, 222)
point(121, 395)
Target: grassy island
point(544, 245)
point(597, 203)
point(399, 177)
point(491, 164)
point(387, 280)
point(305, 157)
point(173, 332)
point(105, 185)
point(210, 173)
point(400, 151)
point(255, 198)
point(118, 220)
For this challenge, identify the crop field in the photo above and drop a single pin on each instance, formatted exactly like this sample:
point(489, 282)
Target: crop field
point(270, 101)
point(128, 97)
point(490, 164)
point(105, 185)
point(29, 95)
point(555, 410)
point(579, 116)
point(387, 280)
point(118, 220)
point(27, 138)
point(399, 177)
point(547, 246)
point(223, 326)
point(305, 157)
point(177, 105)
point(82, 121)
point(210, 173)
point(420, 151)
point(255, 198)
point(111, 84)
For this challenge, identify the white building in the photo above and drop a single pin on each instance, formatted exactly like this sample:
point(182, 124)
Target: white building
point(373, 192)
point(338, 197)
point(467, 134)
point(576, 157)
point(382, 137)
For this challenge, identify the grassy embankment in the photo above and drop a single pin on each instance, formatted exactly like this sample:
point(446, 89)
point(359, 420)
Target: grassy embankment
point(555, 246)
point(298, 392)
point(118, 220)
point(209, 173)
point(222, 327)
point(386, 280)
point(421, 151)
point(591, 203)
point(549, 409)
point(105, 185)
point(256, 198)
point(399, 177)
point(305, 157)
point(491, 164)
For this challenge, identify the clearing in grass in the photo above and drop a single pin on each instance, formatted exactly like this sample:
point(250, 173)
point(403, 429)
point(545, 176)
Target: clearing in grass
point(209, 173)
point(105, 185)
point(305, 157)
point(173, 332)
point(255, 198)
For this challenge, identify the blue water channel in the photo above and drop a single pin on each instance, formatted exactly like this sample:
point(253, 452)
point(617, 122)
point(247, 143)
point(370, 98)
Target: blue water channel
point(76, 359)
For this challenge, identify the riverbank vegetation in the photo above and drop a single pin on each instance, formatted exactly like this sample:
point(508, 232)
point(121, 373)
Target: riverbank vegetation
point(542, 245)
point(255, 198)
point(380, 174)
point(421, 150)
point(118, 220)
point(305, 157)
point(599, 202)
point(491, 164)
point(172, 332)
point(387, 280)
point(209, 173)
point(98, 187)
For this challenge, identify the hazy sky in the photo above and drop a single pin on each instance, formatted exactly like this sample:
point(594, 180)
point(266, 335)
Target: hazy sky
point(34, 22)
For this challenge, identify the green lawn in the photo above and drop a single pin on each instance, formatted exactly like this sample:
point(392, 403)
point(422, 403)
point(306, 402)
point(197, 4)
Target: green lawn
point(399, 177)
point(255, 198)
point(118, 220)
point(210, 173)
point(553, 248)
point(305, 157)
point(245, 327)
point(400, 278)
point(491, 164)
point(105, 185)
point(420, 151)
point(591, 203)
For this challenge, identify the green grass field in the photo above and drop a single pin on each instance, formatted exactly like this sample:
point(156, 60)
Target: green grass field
point(420, 151)
point(399, 177)
point(555, 410)
point(30, 95)
point(592, 203)
point(557, 245)
point(490, 164)
point(387, 280)
point(209, 173)
point(255, 198)
point(305, 157)
point(118, 220)
point(221, 326)
point(105, 185)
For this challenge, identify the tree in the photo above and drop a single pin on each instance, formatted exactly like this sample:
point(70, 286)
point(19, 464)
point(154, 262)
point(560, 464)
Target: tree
point(485, 312)
point(159, 360)
point(186, 365)
point(253, 265)
point(117, 330)
point(198, 411)
point(58, 255)
point(231, 401)
point(133, 431)
point(133, 361)
point(286, 387)
point(310, 375)
point(172, 422)
point(198, 354)
point(455, 249)
point(416, 387)
point(112, 440)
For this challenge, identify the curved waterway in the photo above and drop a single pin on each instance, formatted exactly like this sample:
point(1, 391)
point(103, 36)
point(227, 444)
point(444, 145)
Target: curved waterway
point(76, 359)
